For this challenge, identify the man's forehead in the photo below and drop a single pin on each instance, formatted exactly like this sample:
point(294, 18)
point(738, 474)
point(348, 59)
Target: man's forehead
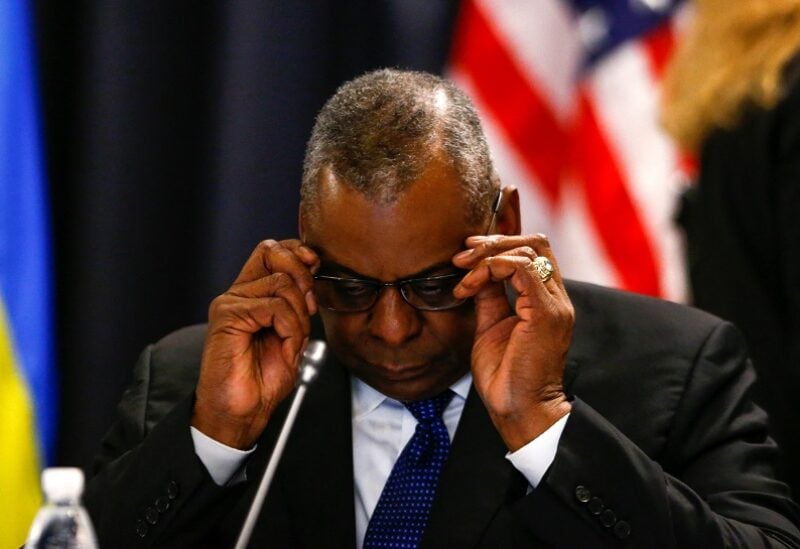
point(423, 226)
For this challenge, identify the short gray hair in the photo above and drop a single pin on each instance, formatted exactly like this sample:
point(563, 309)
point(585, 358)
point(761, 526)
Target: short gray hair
point(379, 131)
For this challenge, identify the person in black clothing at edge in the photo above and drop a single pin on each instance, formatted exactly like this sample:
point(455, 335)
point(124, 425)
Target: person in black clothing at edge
point(473, 398)
point(732, 97)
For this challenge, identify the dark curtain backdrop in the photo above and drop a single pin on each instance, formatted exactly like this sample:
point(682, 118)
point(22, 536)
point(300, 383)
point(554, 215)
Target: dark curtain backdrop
point(175, 134)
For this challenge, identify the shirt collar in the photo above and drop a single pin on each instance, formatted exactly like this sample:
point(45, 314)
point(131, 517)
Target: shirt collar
point(366, 398)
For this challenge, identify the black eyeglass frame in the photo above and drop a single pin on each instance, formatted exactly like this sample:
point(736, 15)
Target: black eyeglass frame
point(378, 286)
point(403, 286)
point(495, 209)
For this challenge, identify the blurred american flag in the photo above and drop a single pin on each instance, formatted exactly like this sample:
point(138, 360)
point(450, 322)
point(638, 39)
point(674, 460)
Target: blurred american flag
point(568, 91)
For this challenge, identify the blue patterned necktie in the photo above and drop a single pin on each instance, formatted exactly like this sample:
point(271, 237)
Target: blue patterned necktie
point(402, 512)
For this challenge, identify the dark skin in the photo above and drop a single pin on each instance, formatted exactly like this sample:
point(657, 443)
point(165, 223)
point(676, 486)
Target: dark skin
point(258, 328)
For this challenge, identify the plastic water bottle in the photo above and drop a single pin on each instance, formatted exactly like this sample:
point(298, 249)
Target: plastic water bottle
point(62, 523)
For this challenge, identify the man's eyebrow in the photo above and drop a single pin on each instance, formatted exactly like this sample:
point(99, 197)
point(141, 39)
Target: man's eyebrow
point(328, 265)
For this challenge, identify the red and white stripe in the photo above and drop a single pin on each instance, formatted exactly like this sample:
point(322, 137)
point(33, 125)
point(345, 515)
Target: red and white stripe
point(594, 169)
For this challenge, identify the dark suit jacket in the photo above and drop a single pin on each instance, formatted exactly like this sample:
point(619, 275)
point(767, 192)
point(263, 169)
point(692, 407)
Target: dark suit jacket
point(663, 449)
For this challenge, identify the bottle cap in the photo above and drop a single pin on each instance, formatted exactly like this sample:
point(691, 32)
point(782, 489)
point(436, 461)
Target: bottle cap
point(62, 483)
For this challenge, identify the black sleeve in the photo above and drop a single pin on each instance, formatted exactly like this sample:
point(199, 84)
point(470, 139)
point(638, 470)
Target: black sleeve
point(149, 488)
point(715, 486)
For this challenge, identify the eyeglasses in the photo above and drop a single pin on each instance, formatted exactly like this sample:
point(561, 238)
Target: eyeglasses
point(353, 295)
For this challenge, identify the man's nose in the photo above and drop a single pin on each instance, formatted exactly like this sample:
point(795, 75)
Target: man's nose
point(392, 319)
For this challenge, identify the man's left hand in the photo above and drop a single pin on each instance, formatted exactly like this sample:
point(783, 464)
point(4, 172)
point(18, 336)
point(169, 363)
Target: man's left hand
point(518, 356)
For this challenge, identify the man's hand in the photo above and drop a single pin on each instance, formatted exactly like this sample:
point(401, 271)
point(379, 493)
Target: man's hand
point(256, 333)
point(518, 356)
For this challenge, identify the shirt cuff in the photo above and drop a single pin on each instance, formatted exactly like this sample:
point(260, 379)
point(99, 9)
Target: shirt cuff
point(220, 460)
point(533, 459)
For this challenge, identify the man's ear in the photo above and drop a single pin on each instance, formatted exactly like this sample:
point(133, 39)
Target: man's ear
point(508, 216)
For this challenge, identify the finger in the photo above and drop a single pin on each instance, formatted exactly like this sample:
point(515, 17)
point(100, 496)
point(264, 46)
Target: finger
point(308, 256)
point(537, 297)
point(249, 315)
point(289, 256)
point(542, 246)
point(528, 245)
point(481, 247)
point(524, 281)
point(485, 283)
point(291, 354)
point(276, 285)
point(491, 306)
point(304, 277)
point(482, 273)
point(286, 326)
point(271, 256)
point(285, 323)
point(517, 269)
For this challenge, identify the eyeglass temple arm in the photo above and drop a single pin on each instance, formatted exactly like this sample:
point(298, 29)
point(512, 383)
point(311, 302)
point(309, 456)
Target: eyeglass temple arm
point(495, 209)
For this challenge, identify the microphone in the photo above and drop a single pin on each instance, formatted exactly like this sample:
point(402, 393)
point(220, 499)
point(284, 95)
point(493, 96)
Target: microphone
point(313, 358)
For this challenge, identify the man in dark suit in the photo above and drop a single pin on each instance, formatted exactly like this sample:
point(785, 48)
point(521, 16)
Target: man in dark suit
point(570, 415)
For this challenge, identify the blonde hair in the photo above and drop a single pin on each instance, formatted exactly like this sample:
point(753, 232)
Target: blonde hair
point(733, 55)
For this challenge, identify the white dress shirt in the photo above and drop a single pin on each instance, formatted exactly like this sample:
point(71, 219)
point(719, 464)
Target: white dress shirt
point(381, 428)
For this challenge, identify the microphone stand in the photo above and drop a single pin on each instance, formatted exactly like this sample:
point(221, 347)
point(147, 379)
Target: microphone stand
point(313, 357)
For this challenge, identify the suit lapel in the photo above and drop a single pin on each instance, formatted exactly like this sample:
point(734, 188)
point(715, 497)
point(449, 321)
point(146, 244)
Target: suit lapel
point(318, 465)
point(476, 481)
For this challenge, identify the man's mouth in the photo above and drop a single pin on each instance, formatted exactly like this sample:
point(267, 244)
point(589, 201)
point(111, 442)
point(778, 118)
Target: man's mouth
point(397, 371)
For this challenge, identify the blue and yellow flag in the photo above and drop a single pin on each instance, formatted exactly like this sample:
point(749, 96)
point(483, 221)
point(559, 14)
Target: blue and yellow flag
point(27, 384)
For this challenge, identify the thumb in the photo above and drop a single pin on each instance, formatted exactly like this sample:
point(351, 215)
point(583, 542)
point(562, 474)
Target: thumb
point(491, 306)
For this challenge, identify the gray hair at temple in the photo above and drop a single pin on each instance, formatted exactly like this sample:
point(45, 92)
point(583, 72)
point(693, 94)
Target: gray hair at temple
point(379, 131)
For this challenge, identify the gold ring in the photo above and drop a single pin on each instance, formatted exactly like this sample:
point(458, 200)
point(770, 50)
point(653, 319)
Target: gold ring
point(543, 267)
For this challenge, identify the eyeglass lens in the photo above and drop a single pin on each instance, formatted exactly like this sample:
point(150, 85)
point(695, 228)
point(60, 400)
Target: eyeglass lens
point(350, 295)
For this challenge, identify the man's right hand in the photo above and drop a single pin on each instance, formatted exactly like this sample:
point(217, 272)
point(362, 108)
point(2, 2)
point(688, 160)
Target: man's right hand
point(257, 331)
